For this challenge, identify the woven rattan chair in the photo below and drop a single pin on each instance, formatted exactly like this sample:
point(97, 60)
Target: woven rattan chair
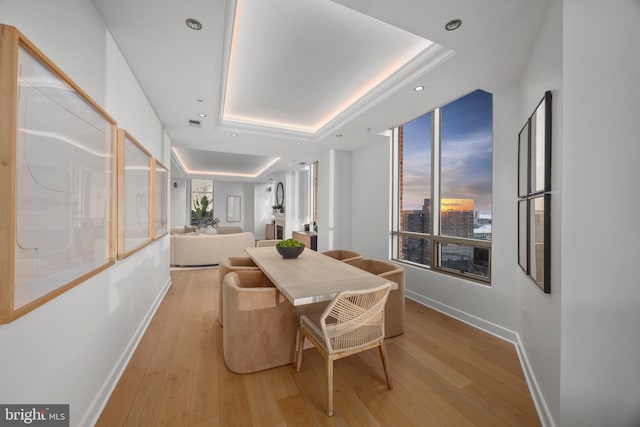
point(344, 255)
point(264, 243)
point(351, 323)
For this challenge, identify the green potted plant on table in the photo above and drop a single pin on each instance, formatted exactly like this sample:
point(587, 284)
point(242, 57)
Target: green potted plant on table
point(290, 248)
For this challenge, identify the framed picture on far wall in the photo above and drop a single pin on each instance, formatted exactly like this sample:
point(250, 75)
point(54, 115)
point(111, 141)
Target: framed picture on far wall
point(233, 208)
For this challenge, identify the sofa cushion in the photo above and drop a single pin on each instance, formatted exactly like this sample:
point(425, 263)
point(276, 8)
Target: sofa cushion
point(203, 249)
point(229, 229)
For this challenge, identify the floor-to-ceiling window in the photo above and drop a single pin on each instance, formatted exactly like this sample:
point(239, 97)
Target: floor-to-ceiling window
point(442, 218)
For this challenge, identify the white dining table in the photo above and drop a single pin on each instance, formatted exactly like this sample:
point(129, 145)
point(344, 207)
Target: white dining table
point(312, 277)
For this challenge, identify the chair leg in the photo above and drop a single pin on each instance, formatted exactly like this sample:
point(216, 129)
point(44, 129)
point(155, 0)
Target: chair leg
point(385, 364)
point(329, 386)
point(299, 352)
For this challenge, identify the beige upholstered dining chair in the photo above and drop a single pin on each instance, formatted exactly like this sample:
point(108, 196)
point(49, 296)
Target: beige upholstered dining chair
point(259, 323)
point(394, 311)
point(352, 322)
point(344, 255)
point(226, 266)
point(265, 243)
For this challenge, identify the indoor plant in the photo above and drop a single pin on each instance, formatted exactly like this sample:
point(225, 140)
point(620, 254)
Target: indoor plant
point(202, 215)
point(290, 248)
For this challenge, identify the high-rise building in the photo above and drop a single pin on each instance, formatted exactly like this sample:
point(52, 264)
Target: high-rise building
point(457, 217)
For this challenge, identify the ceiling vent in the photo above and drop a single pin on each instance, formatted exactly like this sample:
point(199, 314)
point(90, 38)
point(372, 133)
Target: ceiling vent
point(195, 123)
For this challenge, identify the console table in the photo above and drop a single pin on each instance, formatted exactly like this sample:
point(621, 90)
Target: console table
point(309, 238)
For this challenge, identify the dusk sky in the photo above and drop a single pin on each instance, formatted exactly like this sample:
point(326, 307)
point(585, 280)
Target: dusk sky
point(466, 153)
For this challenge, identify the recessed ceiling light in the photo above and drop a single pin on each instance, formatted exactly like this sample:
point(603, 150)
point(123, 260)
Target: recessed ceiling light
point(234, 135)
point(454, 24)
point(202, 115)
point(418, 88)
point(194, 24)
point(200, 100)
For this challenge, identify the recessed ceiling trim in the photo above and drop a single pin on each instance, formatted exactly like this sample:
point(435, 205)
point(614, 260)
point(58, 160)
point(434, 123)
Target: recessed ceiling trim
point(180, 161)
point(421, 65)
point(246, 128)
point(346, 109)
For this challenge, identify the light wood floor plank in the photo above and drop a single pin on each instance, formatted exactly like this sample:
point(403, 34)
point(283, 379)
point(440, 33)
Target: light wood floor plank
point(445, 373)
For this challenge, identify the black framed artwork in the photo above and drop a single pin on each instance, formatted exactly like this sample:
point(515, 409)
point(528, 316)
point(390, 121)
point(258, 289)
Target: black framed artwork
point(540, 147)
point(534, 198)
point(523, 161)
point(539, 218)
point(523, 233)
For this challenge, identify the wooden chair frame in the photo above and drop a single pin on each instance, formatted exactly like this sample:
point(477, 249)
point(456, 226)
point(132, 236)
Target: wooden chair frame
point(364, 318)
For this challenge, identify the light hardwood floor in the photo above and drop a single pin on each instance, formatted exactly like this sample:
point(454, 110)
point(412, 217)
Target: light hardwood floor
point(445, 373)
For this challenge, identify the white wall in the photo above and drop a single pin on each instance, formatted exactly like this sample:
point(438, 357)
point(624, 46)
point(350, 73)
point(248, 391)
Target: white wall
point(73, 348)
point(246, 192)
point(600, 377)
point(371, 182)
point(335, 196)
point(178, 196)
point(263, 201)
point(539, 313)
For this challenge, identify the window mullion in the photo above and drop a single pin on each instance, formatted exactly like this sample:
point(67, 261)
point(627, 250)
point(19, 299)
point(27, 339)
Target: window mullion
point(435, 173)
point(435, 184)
point(396, 154)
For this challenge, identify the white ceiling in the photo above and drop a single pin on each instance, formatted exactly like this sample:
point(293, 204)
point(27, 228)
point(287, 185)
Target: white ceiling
point(304, 71)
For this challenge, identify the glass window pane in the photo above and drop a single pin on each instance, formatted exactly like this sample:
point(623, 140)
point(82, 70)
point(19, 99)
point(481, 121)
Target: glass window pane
point(199, 189)
point(464, 259)
point(414, 249)
point(415, 174)
point(466, 163)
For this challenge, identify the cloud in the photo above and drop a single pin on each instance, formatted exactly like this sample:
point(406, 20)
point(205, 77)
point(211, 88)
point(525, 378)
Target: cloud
point(416, 188)
point(466, 165)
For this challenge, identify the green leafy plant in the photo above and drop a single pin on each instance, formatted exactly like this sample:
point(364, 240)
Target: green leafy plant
point(202, 210)
point(289, 243)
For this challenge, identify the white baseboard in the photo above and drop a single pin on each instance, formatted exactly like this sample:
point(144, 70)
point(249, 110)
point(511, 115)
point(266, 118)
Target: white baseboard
point(538, 399)
point(467, 318)
point(100, 401)
point(536, 394)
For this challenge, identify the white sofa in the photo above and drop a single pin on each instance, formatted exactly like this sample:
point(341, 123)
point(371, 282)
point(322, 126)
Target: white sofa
point(190, 249)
